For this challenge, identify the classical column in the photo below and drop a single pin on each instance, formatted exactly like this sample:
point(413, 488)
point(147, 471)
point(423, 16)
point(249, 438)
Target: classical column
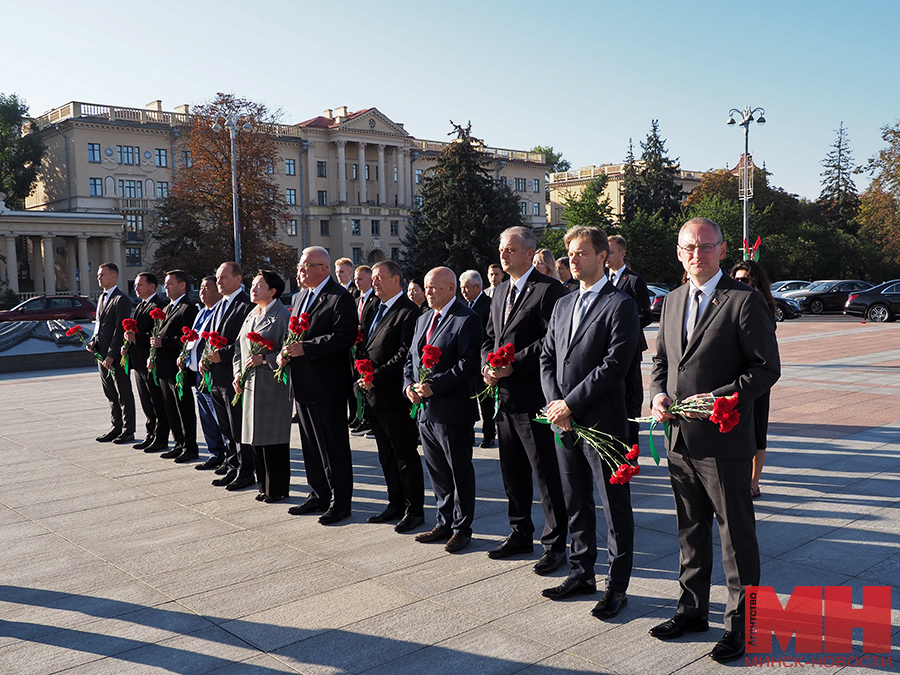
point(361, 173)
point(104, 251)
point(49, 267)
point(12, 264)
point(342, 172)
point(402, 154)
point(382, 194)
point(84, 276)
point(37, 267)
point(70, 265)
point(311, 171)
point(115, 244)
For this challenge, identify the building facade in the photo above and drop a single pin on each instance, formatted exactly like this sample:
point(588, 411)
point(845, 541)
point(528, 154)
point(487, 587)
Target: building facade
point(350, 179)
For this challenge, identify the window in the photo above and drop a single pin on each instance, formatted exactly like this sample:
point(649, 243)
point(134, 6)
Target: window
point(268, 167)
point(323, 198)
point(419, 176)
point(96, 187)
point(162, 157)
point(537, 185)
point(162, 190)
point(376, 228)
point(324, 228)
point(321, 170)
point(503, 180)
point(396, 173)
point(134, 227)
point(94, 153)
point(355, 228)
point(357, 255)
point(131, 189)
point(395, 228)
point(127, 154)
point(419, 201)
point(291, 196)
point(523, 208)
point(186, 160)
point(520, 185)
point(292, 227)
point(535, 208)
point(395, 254)
point(133, 256)
point(367, 172)
point(290, 167)
point(355, 172)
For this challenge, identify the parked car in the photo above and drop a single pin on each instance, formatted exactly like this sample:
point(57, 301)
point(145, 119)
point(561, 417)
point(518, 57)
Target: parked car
point(786, 308)
point(878, 304)
point(792, 285)
point(827, 296)
point(657, 293)
point(46, 307)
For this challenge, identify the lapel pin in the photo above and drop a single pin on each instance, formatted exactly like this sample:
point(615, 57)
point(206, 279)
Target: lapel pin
point(715, 301)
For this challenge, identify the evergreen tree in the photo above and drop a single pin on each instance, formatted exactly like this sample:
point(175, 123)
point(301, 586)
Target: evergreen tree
point(838, 204)
point(661, 194)
point(21, 151)
point(591, 207)
point(632, 188)
point(463, 211)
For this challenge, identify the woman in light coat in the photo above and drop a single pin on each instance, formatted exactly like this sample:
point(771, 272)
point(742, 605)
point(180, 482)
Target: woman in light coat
point(266, 401)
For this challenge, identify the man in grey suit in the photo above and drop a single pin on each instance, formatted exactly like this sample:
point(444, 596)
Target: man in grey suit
point(447, 412)
point(716, 338)
point(590, 344)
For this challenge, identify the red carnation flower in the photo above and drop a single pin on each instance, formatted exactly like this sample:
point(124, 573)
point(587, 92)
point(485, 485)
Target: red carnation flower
point(724, 413)
point(431, 355)
point(634, 452)
point(74, 330)
point(129, 325)
point(158, 314)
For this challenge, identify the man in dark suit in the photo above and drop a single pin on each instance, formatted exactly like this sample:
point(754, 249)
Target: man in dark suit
point(388, 335)
point(238, 469)
point(320, 379)
point(365, 303)
point(565, 274)
point(520, 315)
point(343, 272)
point(157, 438)
point(112, 308)
point(632, 283)
point(590, 344)
point(470, 286)
point(447, 412)
point(716, 338)
point(180, 314)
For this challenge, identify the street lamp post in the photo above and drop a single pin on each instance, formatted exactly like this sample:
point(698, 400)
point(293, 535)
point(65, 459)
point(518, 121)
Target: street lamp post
point(231, 123)
point(746, 178)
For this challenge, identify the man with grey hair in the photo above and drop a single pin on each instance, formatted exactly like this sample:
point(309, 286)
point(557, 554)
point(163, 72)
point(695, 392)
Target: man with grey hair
point(470, 285)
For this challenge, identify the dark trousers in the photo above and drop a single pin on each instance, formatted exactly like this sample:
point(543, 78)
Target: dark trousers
point(273, 469)
point(238, 456)
point(153, 406)
point(448, 458)
point(717, 488)
point(180, 411)
point(215, 442)
point(580, 466)
point(397, 438)
point(117, 389)
point(527, 448)
point(634, 398)
point(486, 409)
point(326, 453)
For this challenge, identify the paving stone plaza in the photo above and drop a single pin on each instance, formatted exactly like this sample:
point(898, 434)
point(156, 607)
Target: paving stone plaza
point(117, 562)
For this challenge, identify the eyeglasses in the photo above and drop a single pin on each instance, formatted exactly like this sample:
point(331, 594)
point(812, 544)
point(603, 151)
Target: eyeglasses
point(705, 249)
point(307, 266)
point(745, 280)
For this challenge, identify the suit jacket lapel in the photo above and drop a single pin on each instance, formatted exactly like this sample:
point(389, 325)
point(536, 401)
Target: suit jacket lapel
point(381, 322)
point(520, 301)
point(713, 307)
point(598, 303)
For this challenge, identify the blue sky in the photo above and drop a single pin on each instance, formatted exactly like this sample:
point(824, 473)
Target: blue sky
point(581, 76)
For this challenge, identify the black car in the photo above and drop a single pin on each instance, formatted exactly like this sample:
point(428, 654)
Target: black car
point(657, 293)
point(786, 308)
point(827, 296)
point(878, 304)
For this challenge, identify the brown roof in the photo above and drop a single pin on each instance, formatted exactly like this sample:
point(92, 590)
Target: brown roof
point(321, 122)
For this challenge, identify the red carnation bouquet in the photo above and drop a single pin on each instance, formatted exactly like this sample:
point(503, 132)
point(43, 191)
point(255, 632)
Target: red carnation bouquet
point(189, 335)
point(617, 455)
point(214, 341)
point(258, 344)
point(158, 317)
point(496, 361)
point(297, 326)
point(77, 331)
point(360, 337)
point(366, 373)
point(431, 356)
point(130, 326)
point(721, 411)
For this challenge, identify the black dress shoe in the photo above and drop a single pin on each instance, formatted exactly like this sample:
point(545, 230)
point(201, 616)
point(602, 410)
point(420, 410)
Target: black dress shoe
point(223, 470)
point(457, 542)
point(729, 648)
point(240, 483)
point(272, 500)
point(610, 604)
point(549, 562)
point(487, 443)
point(408, 523)
point(260, 497)
point(157, 447)
point(123, 439)
point(511, 546)
point(208, 465)
point(390, 513)
point(226, 479)
point(434, 534)
point(185, 457)
point(171, 454)
point(110, 435)
point(332, 516)
point(146, 443)
point(570, 587)
point(678, 625)
point(309, 506)
point(361, 430)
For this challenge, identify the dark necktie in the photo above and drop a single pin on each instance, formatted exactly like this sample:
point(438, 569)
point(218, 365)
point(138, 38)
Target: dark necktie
point(378, 316)
point(434, 323)
point(510, 301)
point(101, 303)
point(693, 314)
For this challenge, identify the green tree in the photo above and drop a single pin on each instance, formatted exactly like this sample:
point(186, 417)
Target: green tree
point(552, 239)
point(21, 151)
point(649, 184)
point(553, 158)
point(591, 207)
point(632, 190)
point(463, 211)
point(651, 247)
point(838, 203)
point(195, 225)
